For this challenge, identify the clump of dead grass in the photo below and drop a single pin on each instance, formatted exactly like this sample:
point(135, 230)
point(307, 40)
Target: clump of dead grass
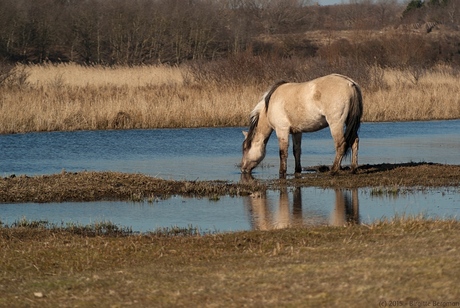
point(101, 228)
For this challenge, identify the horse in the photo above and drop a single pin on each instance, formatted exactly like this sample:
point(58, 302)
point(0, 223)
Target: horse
point(293, 108)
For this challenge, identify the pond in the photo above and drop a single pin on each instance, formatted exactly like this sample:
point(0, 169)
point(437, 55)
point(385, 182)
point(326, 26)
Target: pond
point(213, 154)
point(277, 209)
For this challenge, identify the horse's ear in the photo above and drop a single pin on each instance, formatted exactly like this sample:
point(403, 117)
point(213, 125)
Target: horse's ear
point(245, 134)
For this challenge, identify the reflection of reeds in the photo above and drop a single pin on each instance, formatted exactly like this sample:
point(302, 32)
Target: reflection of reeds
point(71, 97)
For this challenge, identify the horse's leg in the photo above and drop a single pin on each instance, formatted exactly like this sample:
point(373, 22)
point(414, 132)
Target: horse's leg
point(296, 149)
point(340, 146)
point(354, 157)
point(283, 142)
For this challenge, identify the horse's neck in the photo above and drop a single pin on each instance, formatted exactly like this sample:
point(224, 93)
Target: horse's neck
point(263, 129)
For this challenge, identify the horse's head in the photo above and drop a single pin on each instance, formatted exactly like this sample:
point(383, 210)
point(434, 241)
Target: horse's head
point(253, 153)
point(255, 139)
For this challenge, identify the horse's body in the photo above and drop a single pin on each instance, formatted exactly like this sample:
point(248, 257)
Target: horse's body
point(293, 108)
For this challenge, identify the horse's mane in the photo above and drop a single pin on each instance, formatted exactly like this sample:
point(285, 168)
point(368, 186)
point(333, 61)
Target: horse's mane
point(268, 95)
point(253, 122)
point(255, 114)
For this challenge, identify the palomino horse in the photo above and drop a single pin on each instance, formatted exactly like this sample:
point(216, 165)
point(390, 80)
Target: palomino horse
point(292, 108)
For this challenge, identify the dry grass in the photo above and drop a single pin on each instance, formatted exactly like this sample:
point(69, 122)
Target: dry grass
point(71, 97)
point(399, 261)
point(407, 96)
point(68, 97)
point(75, 75)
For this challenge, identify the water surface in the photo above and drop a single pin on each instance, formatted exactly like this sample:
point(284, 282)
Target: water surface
point(213, 154)
point(305, 206)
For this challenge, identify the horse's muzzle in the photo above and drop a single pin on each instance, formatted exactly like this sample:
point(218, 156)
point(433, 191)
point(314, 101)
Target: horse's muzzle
point(246, 170)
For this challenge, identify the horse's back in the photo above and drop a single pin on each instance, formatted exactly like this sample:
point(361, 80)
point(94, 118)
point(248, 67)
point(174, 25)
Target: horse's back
point(329, 90)
point(309, 106)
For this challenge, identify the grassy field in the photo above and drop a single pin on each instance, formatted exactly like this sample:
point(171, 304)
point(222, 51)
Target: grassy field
point(402, 262)
point(71, 97)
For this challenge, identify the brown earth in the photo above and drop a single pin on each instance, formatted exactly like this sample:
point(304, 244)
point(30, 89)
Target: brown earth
point(94, 186)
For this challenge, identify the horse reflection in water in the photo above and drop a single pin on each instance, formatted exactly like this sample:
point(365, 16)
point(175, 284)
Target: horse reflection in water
point(265, 217)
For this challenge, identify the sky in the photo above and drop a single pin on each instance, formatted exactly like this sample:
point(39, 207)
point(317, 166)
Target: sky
point(329, 2)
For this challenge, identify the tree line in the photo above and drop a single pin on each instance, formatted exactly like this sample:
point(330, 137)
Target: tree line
point(133, 32)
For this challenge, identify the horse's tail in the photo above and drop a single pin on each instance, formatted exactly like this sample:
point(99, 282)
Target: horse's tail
point(268, 95)
point(355, 113)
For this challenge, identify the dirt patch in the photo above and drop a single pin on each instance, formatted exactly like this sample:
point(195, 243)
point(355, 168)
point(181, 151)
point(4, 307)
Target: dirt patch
point(94, 186)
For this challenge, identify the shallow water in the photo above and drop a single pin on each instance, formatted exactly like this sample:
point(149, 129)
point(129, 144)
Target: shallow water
point(213, 153)
point(277, 209)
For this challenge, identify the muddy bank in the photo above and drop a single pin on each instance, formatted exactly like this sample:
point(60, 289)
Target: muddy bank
point(94, 186)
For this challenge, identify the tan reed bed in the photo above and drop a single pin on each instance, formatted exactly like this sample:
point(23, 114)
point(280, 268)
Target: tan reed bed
point(435, 96)
point(81, 76)
point(72, 97)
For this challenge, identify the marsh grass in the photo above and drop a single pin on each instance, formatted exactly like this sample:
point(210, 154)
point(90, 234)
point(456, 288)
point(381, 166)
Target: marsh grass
point(75, 75)
point(387, 191)
point(92, 186)
point(96, 229)
point(402, 259)
point(71, 97)
point(177, 231)
point(433, 97)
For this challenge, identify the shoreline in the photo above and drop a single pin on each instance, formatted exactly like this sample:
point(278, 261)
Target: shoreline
point(98, 186)
point(214, 126)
